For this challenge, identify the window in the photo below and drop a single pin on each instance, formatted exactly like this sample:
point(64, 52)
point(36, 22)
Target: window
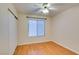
point(36, 27)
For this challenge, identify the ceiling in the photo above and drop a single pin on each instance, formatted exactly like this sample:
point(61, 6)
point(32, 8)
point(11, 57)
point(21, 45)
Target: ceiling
point(31, 8)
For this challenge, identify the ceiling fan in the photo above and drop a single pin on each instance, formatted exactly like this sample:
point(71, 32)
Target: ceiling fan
point(45, 8)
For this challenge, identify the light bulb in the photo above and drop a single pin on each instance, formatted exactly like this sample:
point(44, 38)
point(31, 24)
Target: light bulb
point(45, 11)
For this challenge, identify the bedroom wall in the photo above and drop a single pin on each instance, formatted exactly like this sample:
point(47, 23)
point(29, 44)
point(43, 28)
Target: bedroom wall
point(23, 31)
point(65, 29)
point(7, 44)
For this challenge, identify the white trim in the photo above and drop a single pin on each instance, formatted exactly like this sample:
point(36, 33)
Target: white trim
point(34, 42)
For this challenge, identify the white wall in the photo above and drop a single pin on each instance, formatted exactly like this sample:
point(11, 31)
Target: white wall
point(12, 33)
point(7, 46)
point(23, 31)
point(65, 29)
point(3, 30)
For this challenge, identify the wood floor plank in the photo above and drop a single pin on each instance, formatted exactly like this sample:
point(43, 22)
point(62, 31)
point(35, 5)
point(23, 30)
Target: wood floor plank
point(46, 48)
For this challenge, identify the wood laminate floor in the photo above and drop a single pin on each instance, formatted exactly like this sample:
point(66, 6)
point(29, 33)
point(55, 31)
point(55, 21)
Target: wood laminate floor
point(46, 48)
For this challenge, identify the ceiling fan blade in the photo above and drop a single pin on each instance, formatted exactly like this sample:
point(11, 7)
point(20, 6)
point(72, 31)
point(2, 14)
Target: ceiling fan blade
point(37, 10)
point(38, 7)
point(52, 8)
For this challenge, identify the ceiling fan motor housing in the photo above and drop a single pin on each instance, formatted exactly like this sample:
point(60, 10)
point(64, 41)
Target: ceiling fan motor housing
point(45, 5)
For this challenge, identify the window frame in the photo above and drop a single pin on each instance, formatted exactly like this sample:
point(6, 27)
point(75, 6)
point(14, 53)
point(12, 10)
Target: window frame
point(37, 28)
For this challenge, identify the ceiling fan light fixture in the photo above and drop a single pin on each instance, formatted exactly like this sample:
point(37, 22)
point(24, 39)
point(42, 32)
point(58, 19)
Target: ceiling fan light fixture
point(52, 8)
point(45, 11)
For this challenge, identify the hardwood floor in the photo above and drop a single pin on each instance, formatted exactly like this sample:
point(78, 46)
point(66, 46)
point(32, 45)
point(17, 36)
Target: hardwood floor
point(46, 48)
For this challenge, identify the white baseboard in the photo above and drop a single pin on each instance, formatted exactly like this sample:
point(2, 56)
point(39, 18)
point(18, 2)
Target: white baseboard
point(34, 42)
